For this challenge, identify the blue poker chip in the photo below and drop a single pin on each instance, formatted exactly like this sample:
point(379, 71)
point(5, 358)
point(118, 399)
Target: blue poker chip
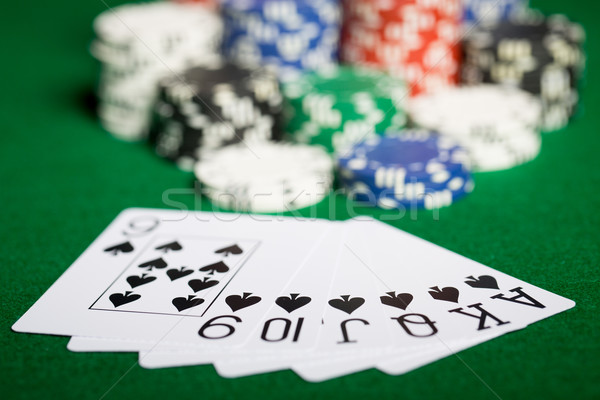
point(476, 12)
point(410, 153)
point(290, 36)
point(415, 168)
point(410, 188)
point(413, 196)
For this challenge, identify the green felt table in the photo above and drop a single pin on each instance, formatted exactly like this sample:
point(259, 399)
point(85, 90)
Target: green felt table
point(63, 179)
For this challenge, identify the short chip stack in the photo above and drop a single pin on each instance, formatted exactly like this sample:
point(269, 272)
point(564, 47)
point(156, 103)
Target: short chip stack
point(290, 36)
point(416, 39)
point(415, 169)
point(500, 129)
point(265, 177)
point(338, 107)
point(137, 45)
point(483, 12)
point(543, 56)
point(209, 107)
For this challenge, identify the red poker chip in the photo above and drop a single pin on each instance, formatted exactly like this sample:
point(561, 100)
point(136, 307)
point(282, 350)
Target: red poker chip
point(416, 39)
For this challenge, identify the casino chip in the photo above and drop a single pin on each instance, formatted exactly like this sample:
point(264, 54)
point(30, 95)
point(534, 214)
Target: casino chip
point(338, 107)
point(209, 107)
point(485, 12)
point(265, 177)
point(497, 125)
point(415, 168)
point(416, 40)
point(290, 36)
point(137, 44)
point(543, 56)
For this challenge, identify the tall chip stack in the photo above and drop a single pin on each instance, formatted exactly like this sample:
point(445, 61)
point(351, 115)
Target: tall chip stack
point(417, 40)
point(208, 107)
point(485, 12)
point(338, 107)
point(290, 36)
point(542, 55)
point(137, 45)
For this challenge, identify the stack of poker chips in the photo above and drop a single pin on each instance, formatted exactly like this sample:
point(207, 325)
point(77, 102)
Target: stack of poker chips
point(137, 45)
point(265, 177)
point(483, 12)
point(290, 36)
point(500, 128)
point(543, 56)
point(338, 107)
point(208, 107)
point(415, 169)
point(418, 40)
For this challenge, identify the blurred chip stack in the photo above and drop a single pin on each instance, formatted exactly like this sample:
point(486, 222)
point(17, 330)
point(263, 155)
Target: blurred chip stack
point(290, 36)
point(209, 107)
point(500, 129)
point(543, 56)
point(137, 45)
point(413, 169)
point(338, 107)
point(417, 40)
point(485, 12)
point(266, 177)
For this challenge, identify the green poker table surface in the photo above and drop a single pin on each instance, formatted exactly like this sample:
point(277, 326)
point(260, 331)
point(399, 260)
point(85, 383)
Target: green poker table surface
point(63, 179)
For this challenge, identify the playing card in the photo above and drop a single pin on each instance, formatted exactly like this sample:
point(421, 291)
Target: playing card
point(484, 303)
point(151, 270)
point(325, 299)
point(291, 324)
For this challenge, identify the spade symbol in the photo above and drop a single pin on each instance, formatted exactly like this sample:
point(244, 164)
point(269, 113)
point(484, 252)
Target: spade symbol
point(235, 249)
point(216, 267)
point(173, 246)
point(445, 294)
point(124, 247)
point(198, 285)
point(292, 302)
point(181, 303)
point(237, 302)
point(119, 299)
point(401, 300)
point(483, 282)
point(135, 281)
point(175, 273)
point(347, 304)
point(159, 263)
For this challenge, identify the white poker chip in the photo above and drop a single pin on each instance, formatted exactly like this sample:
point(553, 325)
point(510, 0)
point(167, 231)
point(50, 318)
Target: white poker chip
point(285, 196)
point(140, 44)
point(472, 106)
point(265, 177)
point(499, 126)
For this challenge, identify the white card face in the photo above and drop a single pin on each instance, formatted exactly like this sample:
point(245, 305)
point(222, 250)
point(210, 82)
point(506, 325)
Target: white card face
point(304, 292)
point(108, 292)
point(433, 296)
point(293, 323)
point(98, 344)
point(423, 327)
point(176, 273)
point(253, 294)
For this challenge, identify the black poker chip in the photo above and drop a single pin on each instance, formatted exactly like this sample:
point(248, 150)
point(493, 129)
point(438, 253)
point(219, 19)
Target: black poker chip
point(542, 55)
point(209, 107)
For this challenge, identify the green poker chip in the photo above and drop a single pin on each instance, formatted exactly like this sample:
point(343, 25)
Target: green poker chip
point(339, 107)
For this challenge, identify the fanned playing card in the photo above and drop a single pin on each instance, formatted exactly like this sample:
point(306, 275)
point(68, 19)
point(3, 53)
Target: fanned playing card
point(253, 294)
point(152, 270)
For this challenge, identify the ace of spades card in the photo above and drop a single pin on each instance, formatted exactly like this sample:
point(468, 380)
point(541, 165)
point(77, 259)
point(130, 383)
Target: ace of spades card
point(434, 302)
